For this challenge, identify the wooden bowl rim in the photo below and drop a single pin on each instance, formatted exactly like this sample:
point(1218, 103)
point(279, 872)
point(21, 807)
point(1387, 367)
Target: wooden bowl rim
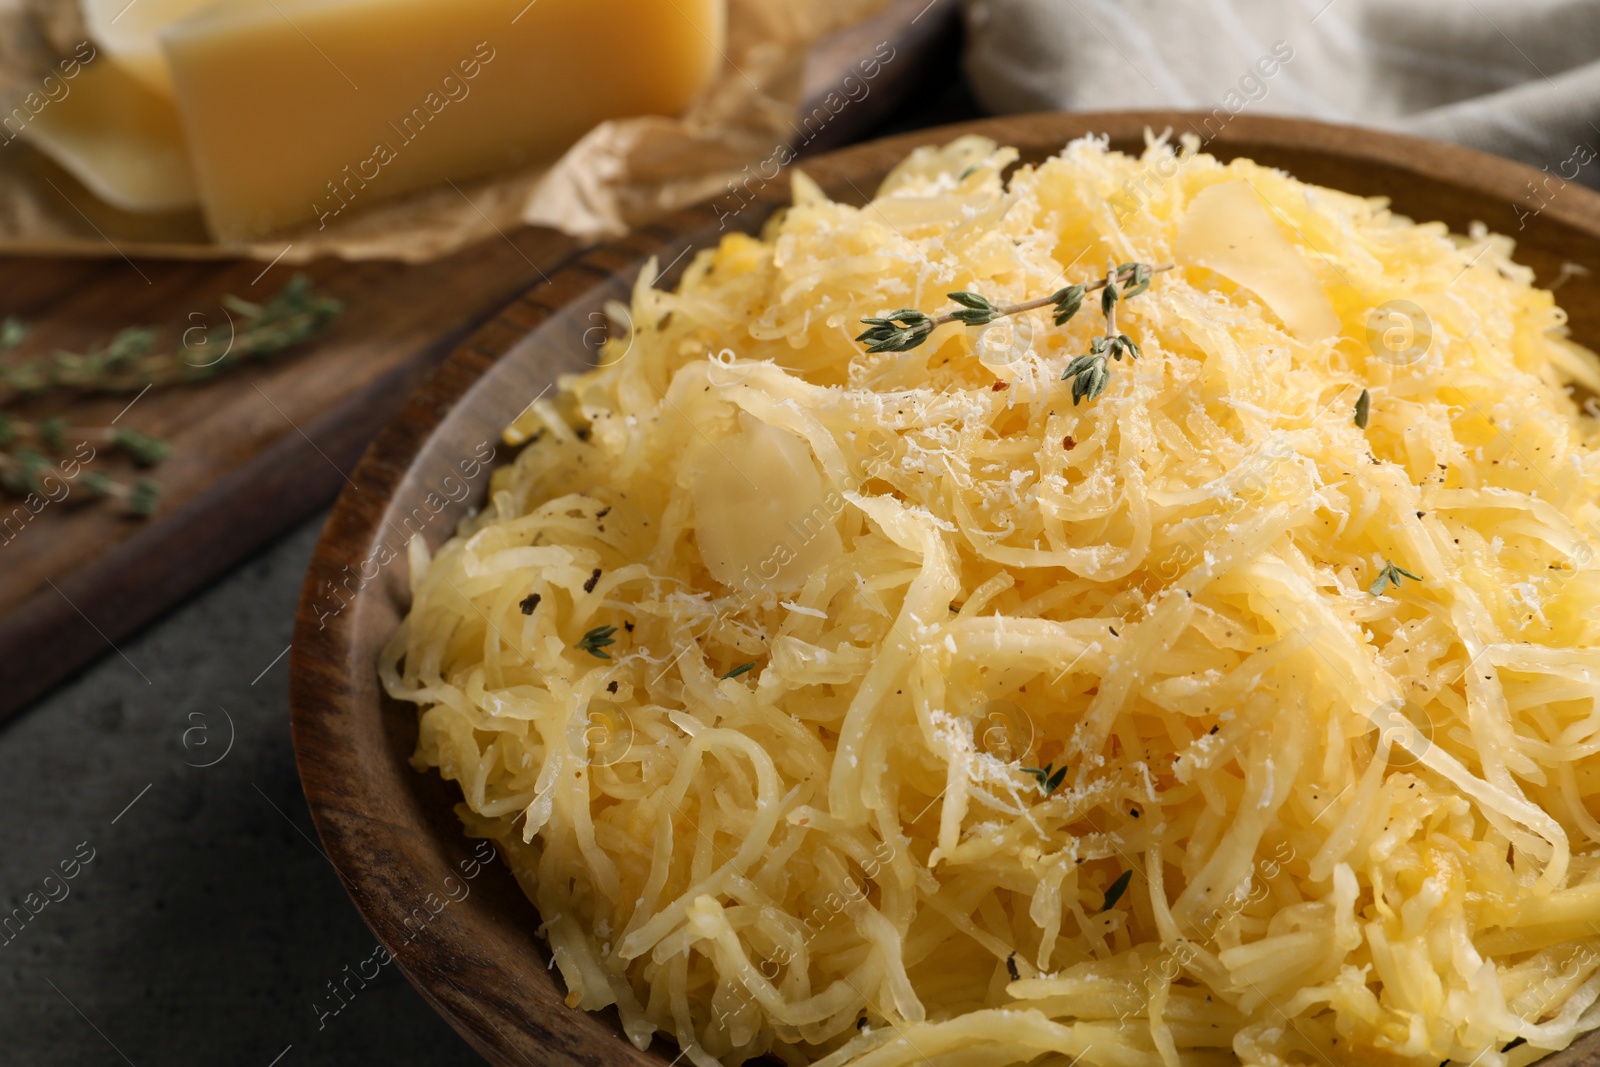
point(322, 649)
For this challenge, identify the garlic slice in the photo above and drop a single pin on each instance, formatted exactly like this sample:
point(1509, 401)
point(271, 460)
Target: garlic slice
point(1230, 230)
point(762, 520)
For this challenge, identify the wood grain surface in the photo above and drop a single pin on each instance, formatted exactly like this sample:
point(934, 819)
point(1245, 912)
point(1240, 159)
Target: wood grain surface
point(390, 830)
point(260, 449)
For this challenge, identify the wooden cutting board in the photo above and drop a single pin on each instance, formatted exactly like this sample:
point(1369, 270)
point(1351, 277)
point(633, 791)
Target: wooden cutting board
point(260, 449)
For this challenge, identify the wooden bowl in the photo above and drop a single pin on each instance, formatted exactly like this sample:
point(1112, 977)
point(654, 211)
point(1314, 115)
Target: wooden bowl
point(468, 944)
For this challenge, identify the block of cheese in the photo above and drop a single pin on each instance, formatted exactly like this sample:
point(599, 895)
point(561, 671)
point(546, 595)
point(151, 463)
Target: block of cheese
point(119, 138)
point(130, 34)
point(300, 111)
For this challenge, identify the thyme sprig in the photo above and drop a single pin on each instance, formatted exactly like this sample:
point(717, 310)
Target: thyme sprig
point(903, 330)
point(1390, 574)
point(1090, 372)
point(24, 473)
point(54, 435)
point(131, 361)
point(26, 449)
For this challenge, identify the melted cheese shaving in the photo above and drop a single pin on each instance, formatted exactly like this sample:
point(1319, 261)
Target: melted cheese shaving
point(1356, 827)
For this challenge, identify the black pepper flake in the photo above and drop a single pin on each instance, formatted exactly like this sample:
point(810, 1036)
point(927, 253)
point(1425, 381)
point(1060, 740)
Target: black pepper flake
point(1113, 630)
point(1421, 513)
point(1214, 729)
point(612, 688)
point(628, 626)
point(1011, 967)
point(603, 512)
point(594, 580)
point(528, 604)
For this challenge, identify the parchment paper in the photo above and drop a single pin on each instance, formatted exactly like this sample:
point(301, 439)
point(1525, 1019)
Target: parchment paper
point(622, 173)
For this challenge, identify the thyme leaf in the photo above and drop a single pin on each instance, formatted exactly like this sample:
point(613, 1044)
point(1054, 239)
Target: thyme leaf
point(1049, 776)
point(1116, 889)
point(1390, 574)
point(597, 640)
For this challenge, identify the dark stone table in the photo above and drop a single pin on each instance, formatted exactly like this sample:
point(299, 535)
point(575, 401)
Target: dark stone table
point(201, 922)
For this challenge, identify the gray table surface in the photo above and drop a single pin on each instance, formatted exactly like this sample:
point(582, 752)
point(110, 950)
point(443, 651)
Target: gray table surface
point(207, 926)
